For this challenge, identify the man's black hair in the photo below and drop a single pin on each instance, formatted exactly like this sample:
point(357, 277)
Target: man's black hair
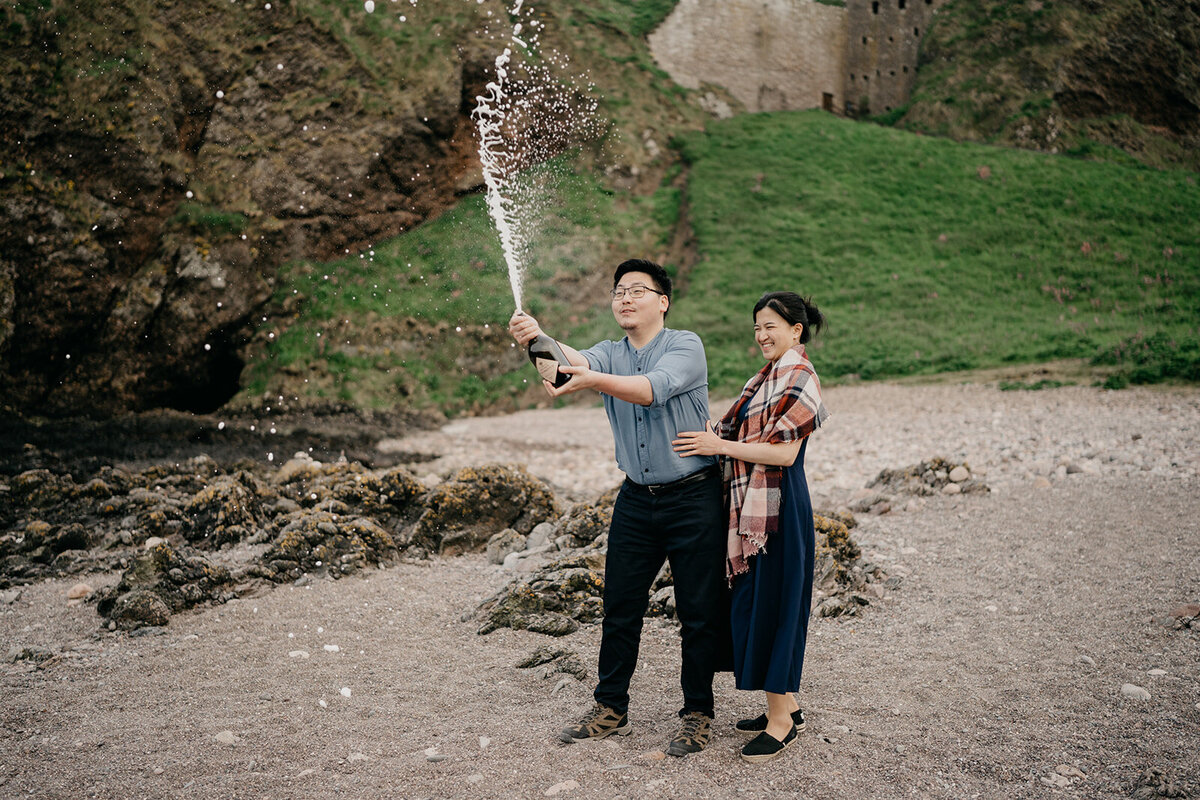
point(662, 281)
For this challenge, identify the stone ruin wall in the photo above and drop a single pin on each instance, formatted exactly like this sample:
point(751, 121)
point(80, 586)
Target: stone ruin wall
point(880, 62)
point(786, 55)
point(761, 51)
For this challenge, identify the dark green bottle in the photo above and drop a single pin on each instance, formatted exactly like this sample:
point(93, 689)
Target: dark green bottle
point(547, 356)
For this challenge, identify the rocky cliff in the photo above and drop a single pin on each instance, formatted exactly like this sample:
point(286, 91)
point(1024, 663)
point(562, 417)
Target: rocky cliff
point(161, 159)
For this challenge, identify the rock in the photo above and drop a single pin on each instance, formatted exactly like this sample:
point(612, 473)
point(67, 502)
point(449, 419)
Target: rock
point(10, 596)
point(464, 512)
point(662, 603)
point(959, 474)
point(1041, 482)
point(79, 592)
point(1134, 692)
point(540, 536)
point(153, 542)
point(138, 608)
point(504, 543)
point(356, 757)
point(226, 737)
point(326, 543)
point(298, 654)
point(178, 581)
point(226, 510)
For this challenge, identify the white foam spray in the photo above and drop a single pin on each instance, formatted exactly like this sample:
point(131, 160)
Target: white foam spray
point(528, 114)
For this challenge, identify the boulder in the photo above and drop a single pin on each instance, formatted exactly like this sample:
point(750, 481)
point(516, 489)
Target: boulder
point(476, 502)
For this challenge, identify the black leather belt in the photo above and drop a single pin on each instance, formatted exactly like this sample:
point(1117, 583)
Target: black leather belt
point(659, 489)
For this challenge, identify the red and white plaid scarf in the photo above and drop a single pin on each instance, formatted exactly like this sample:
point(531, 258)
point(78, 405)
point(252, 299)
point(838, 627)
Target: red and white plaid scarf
point(787, 409)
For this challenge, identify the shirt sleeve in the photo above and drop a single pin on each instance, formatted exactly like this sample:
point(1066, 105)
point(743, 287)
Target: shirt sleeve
point(681, 369)
point(599, 356)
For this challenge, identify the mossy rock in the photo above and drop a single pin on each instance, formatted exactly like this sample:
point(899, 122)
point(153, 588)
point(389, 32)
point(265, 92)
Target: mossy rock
point(836, 553)
point(477, 502)
point(226, 509)
point(325, 543)
point(572, 588)
point(178, 581)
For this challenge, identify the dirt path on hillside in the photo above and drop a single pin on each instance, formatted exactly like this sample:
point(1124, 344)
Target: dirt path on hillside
point(995, 669)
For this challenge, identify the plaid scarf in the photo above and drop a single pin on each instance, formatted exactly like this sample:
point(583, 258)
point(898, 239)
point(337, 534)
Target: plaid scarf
point(787, 409)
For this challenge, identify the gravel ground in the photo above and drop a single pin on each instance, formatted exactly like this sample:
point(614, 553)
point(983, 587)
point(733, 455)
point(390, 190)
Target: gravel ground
point(995, 669)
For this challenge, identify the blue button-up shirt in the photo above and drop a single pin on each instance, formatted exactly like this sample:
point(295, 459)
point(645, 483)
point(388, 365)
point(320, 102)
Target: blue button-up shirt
point(674, 363)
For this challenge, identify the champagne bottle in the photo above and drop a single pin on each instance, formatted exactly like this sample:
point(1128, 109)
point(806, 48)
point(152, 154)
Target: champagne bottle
point(547, 356)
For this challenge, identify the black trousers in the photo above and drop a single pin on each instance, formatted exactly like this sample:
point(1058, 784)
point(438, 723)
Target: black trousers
point(686, 527)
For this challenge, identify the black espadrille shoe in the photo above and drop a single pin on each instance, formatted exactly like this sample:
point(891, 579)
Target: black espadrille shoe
point(764, 747)
point(759, 723)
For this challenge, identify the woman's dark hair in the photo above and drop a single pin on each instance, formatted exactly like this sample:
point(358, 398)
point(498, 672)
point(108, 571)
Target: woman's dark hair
point(793, 308)
point(657, 274)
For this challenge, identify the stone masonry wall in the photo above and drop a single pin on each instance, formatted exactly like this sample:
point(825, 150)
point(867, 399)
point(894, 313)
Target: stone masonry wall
point(775, 55)
point(772, 55)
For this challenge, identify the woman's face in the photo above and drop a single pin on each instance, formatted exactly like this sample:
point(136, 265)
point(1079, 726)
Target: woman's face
point(774, 335)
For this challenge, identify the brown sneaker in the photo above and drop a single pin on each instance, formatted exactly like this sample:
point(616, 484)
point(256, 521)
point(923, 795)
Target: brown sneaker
point(693, 736)
point(601, 721)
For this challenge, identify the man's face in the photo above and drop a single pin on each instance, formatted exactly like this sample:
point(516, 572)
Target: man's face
point(636, 312)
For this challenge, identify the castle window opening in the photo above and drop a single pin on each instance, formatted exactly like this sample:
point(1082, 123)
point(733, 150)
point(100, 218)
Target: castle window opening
point(902, 5)
point(890, 39)
point(874, 8)
point(905, 68)
point(827, 101)
point(916, 31)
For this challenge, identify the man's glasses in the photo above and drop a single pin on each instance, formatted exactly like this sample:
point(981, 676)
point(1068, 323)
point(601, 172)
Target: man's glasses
point(636, 292)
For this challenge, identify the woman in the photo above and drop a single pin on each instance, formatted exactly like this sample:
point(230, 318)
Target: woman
point(762, 438)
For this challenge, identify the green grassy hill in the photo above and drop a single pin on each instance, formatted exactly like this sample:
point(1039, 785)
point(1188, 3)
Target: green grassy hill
point(927, 255)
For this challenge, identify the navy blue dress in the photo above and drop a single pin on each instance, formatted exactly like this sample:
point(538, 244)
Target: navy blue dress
point(771, 602)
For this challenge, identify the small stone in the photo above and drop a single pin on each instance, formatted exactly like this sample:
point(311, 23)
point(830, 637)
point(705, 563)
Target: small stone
point(332, 648)
point(346, 691)
point(1134, 692)
point(9, 597)
point(1041, 482)
point(153, 542)
point(1069, 771)
point(79, 591)
point(298, 654)
point(436, 757)
point(475, 777)
point(1087, 661)
point(654, 755)
point(1157, 673)
point(1056, 780)
point(353, 757)
point(226, 737)
point(158, 770)
point(564, 786)
point(484, 741)
point(951, 488)
point(959, 474)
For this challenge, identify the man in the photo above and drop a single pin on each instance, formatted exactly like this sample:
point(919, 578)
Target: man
point(655, 383)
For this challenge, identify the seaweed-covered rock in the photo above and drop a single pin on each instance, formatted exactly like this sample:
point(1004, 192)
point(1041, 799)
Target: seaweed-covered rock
point(836, 554)
point(347, 485)
point(40, 488)
point(326, 543)
point(583, 523)
point(554, 600)
point(476, 502)
point(162, 575)
point(227, 510)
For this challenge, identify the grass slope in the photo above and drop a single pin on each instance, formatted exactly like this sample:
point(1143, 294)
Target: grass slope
point(930, 255)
